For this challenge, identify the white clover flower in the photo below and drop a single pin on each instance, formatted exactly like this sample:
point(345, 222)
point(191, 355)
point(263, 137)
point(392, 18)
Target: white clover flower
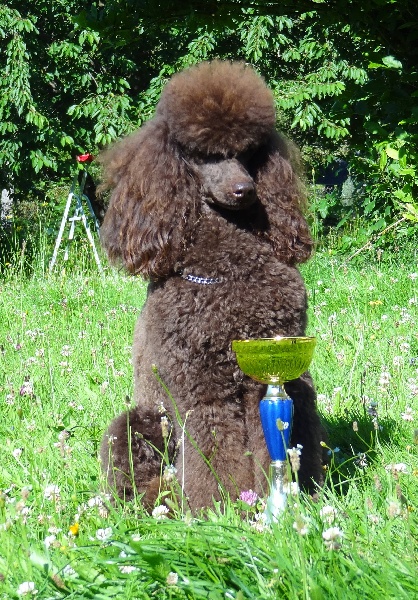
point(260, 522)
point(52, 492)
point(160, 512)
point(104, 534)
point(54, 529)
point(26, 388)
point(384, 378)
point(25, 588)
point(172, 578)
point(291, 488)
point(301, 526)
point(394, 509)
point(49, 540)
point(408, 415)
point(127, 569)
point(68, 571)
point(332, 538)
point(397, 468)
point(405, 316)
point(169, 474)
point(328, 514)
point(375, 519)
point(17, 453)
point(96, 501)
point(413, 386)
point(63, 435)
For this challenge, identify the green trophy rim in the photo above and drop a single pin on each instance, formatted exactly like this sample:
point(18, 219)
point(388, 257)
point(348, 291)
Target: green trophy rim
point(274, 360)
point(285, 340)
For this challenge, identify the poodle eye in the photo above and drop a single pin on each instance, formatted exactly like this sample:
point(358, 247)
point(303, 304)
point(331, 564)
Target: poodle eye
point(203, 159)
point(245, 157)
point(216, 158)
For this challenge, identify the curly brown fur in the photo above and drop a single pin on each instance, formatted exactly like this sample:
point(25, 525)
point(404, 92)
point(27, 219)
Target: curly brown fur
point(208, 188)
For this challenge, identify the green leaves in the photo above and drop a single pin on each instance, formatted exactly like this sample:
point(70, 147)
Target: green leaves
point(202, 46)
point(388, 62)
point(61, 92)
point(72, 79)
point(255, 36)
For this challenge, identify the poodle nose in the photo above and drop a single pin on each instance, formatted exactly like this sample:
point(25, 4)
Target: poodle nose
point(244, 192)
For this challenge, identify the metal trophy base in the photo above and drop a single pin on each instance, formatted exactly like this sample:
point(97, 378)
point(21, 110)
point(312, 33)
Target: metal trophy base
point(277, 499)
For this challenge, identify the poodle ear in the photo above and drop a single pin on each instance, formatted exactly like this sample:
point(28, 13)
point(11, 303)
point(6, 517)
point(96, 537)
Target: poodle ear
point(283, 197)
point(151, 203)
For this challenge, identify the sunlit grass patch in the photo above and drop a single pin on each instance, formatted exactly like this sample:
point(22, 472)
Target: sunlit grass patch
point(65, 371)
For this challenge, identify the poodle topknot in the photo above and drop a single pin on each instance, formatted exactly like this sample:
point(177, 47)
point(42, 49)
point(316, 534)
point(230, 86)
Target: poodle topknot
point(231, 107)
point(207, 205)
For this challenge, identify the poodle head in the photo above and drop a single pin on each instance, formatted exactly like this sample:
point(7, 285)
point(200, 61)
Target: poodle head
point(217, 108)
point(212, 140)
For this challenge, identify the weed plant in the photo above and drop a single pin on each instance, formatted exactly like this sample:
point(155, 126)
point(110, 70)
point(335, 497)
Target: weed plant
point(65, 372)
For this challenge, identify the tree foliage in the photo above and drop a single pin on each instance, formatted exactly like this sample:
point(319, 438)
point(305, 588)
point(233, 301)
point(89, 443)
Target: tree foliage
point(76, 75)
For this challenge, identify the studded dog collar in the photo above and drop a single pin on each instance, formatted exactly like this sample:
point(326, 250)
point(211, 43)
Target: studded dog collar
point(201, 280)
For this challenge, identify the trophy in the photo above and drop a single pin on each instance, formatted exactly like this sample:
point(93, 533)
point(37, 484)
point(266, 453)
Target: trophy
point(273, 361)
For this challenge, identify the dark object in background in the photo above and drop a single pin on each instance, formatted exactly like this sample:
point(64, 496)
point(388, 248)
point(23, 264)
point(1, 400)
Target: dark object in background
point(98, 203)
point(333, 175)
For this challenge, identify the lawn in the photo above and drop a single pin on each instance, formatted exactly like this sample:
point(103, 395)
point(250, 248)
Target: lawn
point(65, 371)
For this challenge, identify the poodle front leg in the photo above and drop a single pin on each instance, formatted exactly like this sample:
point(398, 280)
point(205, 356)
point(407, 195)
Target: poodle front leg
point(132, 454)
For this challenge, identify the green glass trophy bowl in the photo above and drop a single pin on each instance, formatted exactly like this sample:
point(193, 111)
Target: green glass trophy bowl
point(274, 361)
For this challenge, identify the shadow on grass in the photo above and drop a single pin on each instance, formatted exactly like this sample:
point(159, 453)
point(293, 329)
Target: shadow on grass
point(356, 442)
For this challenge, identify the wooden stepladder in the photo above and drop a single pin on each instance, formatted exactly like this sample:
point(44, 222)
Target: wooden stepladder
point(75, 201)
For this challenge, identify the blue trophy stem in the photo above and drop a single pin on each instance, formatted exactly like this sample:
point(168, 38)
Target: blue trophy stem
point(276, 413)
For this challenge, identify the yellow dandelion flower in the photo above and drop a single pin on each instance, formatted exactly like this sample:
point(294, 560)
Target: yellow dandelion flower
point(74, 529)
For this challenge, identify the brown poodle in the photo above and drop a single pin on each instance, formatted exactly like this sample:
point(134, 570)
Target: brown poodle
point(207, 205)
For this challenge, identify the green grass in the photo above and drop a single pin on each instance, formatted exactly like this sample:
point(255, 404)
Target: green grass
point(65, 371)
